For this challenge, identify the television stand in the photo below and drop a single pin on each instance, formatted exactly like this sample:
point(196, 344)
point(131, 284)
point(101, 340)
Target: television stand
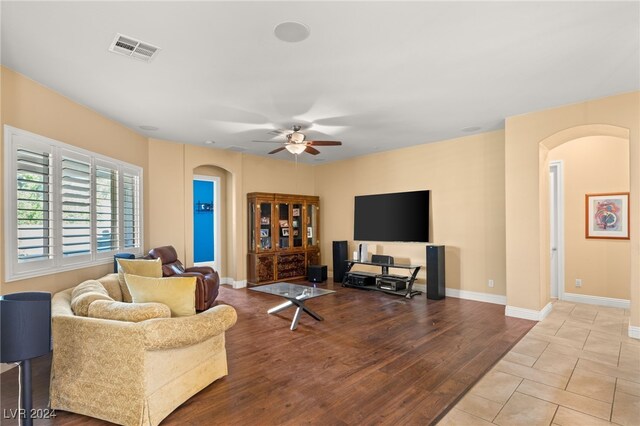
point(368, 285)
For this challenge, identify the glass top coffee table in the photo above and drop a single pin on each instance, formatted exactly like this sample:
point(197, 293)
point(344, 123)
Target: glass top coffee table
point(295, 295)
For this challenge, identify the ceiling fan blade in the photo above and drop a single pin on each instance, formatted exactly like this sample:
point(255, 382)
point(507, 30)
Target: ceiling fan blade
point(312, 150)
point(267, 141)
point(277, 150)
point(324, 143)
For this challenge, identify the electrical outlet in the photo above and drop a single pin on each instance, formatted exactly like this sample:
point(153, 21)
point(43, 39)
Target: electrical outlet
point(491, 283)
point(578, 282)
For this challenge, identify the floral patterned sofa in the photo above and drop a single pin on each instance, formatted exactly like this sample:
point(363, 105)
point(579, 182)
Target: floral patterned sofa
point(133, 373)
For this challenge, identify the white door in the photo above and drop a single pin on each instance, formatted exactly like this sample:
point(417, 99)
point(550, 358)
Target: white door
point(556, 228)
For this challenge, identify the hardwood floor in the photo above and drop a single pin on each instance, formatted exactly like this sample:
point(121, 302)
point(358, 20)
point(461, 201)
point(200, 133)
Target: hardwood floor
point(375, 359)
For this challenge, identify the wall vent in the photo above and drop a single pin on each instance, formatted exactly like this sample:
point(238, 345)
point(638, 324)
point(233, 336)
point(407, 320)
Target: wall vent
point(129, 46)
point(236, 149)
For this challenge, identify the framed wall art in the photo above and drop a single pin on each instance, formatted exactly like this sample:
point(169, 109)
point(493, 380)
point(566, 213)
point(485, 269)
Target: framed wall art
point(607, 216)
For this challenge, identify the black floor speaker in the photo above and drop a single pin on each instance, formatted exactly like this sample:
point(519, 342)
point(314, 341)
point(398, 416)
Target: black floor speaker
point(435, 272)
point(340, 249)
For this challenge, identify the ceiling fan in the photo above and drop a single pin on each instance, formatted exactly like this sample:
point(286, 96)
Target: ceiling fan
point(297, 143)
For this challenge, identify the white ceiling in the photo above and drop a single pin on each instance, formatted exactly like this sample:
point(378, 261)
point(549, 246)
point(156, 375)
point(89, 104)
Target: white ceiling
point(375, 75)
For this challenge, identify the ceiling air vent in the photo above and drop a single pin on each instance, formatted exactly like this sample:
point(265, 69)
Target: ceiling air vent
point(277, 132)
point(129, 46)
point(236, 149)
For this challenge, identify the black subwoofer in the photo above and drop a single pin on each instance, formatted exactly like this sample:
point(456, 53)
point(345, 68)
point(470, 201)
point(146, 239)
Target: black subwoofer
point(317, 273)
point(340, 249)
point(435, 272)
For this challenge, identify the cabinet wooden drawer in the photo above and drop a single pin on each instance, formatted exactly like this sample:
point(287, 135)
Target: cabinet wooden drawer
point(291, 265)
point(265, 268)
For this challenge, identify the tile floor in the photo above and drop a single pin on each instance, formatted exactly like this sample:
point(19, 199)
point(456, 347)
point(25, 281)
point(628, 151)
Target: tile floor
point(577, 367)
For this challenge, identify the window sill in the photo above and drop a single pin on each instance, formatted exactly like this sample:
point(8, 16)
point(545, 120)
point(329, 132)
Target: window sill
point(61, 269)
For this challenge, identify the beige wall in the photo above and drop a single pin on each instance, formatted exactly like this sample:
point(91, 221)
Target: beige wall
point(166, 195)
point(597, 164)
point(526, 262)
point(466, 180)
point(30, 106)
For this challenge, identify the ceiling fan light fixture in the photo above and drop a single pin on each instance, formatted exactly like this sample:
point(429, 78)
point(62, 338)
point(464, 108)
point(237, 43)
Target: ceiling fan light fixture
point(295, 148)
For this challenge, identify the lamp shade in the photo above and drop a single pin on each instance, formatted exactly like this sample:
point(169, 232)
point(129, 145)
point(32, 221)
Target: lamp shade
point(25, 326)
point(296, 137)
point(296, 148)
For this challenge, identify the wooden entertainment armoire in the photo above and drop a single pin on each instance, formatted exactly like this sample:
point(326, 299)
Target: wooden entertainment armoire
point(283, 232)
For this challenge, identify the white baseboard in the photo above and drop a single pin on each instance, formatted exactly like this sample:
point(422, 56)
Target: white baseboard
point(597, 300)
point(468, 295)
point(634, 331)
point(233, 283)
point(227, 281)
point(528, 314)
point(240, 284)
point(477, 296)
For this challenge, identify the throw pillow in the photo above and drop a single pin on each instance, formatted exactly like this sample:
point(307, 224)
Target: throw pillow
point(131, 312)
point(86, 293)
point(141, 267)
point(178, 293)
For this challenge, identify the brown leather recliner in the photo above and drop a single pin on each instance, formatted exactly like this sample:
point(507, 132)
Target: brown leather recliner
point(208, 281)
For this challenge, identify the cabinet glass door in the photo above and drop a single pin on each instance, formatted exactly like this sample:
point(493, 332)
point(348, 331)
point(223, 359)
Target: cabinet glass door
point(265, 227)
point(252, 226)
point(297, 227)
point(283, 226)
point(312, 225)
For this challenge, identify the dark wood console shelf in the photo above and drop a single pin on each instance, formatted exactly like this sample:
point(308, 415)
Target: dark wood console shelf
point(408, 292)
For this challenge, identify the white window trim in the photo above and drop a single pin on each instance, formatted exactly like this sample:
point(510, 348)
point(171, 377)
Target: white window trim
point(57, 264)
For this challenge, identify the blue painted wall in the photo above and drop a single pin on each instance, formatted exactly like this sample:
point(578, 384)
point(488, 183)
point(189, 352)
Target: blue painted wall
point(203, 222)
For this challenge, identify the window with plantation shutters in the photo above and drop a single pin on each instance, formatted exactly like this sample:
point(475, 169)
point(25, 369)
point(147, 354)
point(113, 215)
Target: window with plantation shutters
point(65, 207)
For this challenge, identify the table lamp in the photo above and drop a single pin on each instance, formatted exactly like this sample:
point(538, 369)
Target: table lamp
point(25, 333)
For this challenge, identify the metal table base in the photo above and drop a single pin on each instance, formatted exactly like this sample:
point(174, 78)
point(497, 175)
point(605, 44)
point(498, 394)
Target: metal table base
point(300, 308)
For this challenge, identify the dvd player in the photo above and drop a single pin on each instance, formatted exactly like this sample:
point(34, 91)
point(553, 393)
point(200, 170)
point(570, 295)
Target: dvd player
point(386, 282)
point(361, 279)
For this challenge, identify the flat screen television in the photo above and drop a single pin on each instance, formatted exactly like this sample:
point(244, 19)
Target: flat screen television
point(401, 216)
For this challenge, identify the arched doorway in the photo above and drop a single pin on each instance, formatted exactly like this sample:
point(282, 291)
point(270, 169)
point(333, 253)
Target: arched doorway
point(575, 162)
point(210, 240)
point(207, 215)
